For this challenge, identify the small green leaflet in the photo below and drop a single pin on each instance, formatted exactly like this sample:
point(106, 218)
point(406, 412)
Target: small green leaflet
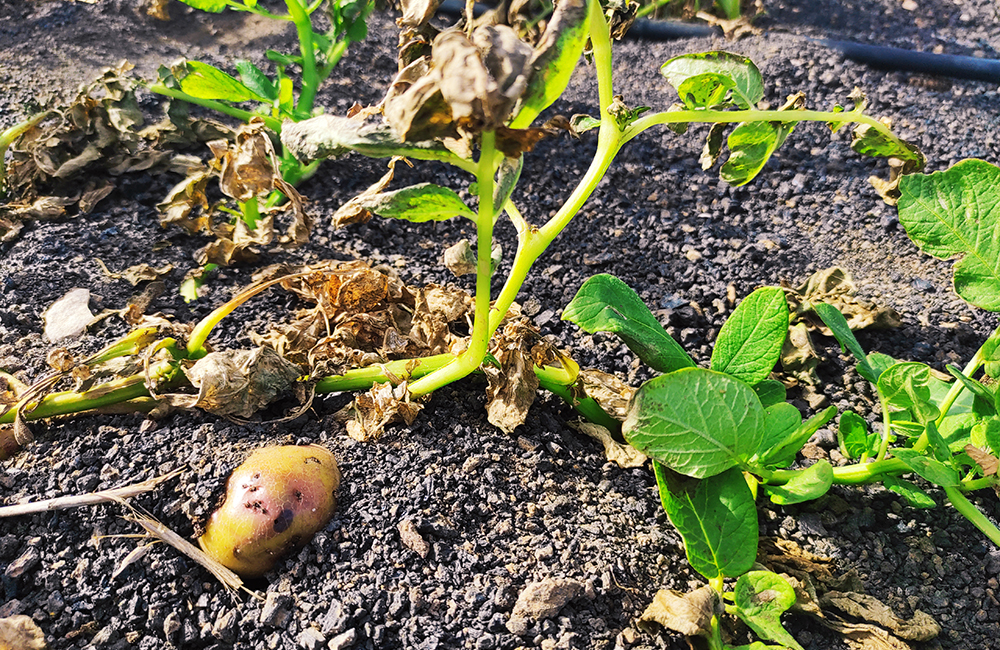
point(211, 6)
point(957, 213)
point(781, 420)
point(258, 82)
point(716, 517)
point(750, 341)
point(867, 141)
point(751, 145)
point(907, 386)
point(913, 495)
point(207, 82)
point(811, 483)
point(696, 422)
point(783, 454)
point(853, 436)
point(770, 392)
point(714, 79)
point(555, 57)
point(928, 468)
point(606, 304)
point(986, 434)
point(417, 203)
point(761, 597)
point(833, 319)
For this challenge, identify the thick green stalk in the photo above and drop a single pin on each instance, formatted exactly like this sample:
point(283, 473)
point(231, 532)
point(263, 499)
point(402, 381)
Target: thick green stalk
point(272, 123)
point(481, 329)
point(973, 514)
point(310, 80)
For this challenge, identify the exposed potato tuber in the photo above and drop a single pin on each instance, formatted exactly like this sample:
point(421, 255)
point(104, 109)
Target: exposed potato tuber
point(275, 502)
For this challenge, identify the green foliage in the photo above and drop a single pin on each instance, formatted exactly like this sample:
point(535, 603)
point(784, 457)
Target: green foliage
point(749, 343)
point(715, 80)
point(606, 304)
point(957, 213)
point(761, 597)
point(807, 485)
point(417, 203)
point(715, 516)
point(696, 422)
point(833, 319)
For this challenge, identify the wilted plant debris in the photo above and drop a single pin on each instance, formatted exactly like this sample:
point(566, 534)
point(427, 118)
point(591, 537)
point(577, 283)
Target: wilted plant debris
point(364, 316)
point(72, 156)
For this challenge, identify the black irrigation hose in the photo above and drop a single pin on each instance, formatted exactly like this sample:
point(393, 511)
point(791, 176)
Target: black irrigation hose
point(876, 56)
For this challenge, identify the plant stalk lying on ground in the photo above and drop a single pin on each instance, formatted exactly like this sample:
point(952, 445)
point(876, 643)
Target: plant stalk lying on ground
point(717, 435)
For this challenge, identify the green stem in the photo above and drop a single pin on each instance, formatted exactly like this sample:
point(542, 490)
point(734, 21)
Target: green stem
point(333, 57)
point(883, 447)
point(973, 514)
point(786, 117)
point(271, 122)
point(481, 328)
point(250, 212)
point(114, 392)
point(310, 80)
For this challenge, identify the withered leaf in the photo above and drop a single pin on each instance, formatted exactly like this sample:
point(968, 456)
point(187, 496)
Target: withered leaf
point(623, 455)
point(186, 197)
point(835, 286)
point(137, 273)
point(417, 12)
point(689, 614)
point(986, 461)
point(354, 211)
point(511, 388)
point(69, 316)
point(238, 383)
point(460, 259)
point(921, 627)
point(374, 410)
point(21, 633)
point(610, 392)
point(60, 359)
point(799, 360)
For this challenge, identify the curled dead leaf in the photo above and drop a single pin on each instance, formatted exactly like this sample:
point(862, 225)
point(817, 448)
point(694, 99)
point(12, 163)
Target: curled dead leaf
point(623, 455)
point(382, 405)
point(21, 633)
point(689, 614)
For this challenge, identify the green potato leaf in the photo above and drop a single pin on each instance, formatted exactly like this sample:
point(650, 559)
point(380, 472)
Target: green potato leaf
point(696, 422)
point(833, 319)
point(783, 454)
point(986, 435)
point(714, 79)
point(906, 386)
point(208, 82)
point(211, 6)
point(716, 517)
point(556, 55)
point(770, 392)
point(750, 341)
point(417, 203)
point(761, 597)
point(928, 468)
point(984, 402)
point(853, 436)
point(258, 82)
point(957, 213)
point(751, 145)
point(811, 483)
point(867, 141)
point(606, 304)
point(913, 495)
point(781, 420)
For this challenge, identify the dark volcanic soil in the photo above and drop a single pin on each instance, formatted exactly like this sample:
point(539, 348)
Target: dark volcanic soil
point(498, 511)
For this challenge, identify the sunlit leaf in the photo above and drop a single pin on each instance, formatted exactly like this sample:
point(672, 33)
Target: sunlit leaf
point(782, 455)
point(212, 6)
point(696, 422)
point(761, 597)
point(928, 468)
point(853, 436)
point(208, 82)
point(255, 80)
point(714, 79)
point(838, 325)
point(957, 213)
point(716, 517)
point(606, 304)
point(749, 343)
point(913, 495)
point(806, 485)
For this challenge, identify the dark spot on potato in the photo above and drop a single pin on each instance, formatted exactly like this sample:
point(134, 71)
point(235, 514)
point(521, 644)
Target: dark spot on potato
point(313, 459)
point(283, 520)
point(298, 495)
point(256, 476)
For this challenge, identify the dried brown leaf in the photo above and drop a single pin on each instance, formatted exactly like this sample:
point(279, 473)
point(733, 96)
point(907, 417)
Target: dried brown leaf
point(511, 388)
point(383, 404)
point(21, 633)
point(188, 198)
point(689, 614)
point(986, 461)
point(237, 383)
point(835, 286)
point(921, 627)
point(610, 392)
point(137, 273)
point(460, 259)
point(624, 456)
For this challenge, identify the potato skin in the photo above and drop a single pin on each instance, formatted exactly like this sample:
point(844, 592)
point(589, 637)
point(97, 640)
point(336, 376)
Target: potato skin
point(275, 502)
